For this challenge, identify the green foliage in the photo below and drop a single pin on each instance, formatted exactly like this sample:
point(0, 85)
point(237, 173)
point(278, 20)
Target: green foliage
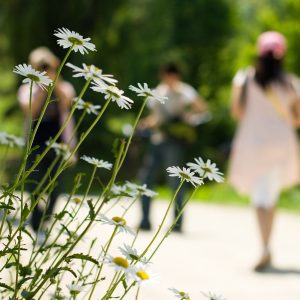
point(210, 39)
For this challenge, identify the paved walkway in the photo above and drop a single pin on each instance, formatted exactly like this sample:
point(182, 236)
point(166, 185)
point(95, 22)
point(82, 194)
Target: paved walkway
point(217, 251)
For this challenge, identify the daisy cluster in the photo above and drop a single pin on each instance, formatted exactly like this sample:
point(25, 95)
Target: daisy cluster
point(11, 140)
point(135, 268)
point(197, 172)
point(101, 83)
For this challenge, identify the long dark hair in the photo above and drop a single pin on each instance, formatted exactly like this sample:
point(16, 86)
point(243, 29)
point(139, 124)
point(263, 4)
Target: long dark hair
point(268, 69)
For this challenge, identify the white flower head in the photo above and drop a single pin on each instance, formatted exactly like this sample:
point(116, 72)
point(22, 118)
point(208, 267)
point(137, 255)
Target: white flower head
point(74, 289)
point(93, 72)
point(212, 296)
point(180, 294)
point(89, 107)
point(185, 174)
point(32, 75)
point(139, 190)
point(60, 149)
point(145, 91)
point(206, 169)
point(132, 254)
point(141, 274)
point(114, 93)
point(118, 263)
point(11, 140)
point(117, 221)
point(68, 38)
point(99, 163)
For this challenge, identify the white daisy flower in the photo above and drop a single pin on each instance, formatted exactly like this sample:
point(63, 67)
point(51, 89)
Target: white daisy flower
point(141, 274)
point(117, 221)
point(89, 107)
point(206, 169)
point(114, 93)
point(212, 296)
point(145, 91)
point(93, 72)
point(179, 294)
point(131, 254)
point(68, 38)
point(118, 263)
point(99, 163)
point(119, 190)
point(185, 174)
point(11, 140)
point(60, 149)
point(32, 75)
point(136, 189)
point(74, 289)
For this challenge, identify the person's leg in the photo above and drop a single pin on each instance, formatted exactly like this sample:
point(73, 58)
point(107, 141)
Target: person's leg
point(53, 193)
point(264, 199)
point(148, 175)
point(174, 157)
point(31, 185)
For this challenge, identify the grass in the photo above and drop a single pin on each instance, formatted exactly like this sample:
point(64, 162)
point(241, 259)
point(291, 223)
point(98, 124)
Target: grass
point(226, 195)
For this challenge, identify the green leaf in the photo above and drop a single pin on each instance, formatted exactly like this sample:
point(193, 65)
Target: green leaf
point(91, 207)
point(7, 287)
point(82, 257)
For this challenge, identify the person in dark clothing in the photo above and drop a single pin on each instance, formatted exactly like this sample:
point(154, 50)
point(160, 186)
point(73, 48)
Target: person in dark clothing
point(43, 59)
point(171, 127)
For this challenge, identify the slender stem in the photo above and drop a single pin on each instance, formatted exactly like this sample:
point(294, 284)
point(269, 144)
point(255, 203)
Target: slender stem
point(101, 267)
point(133, 130)
point(137, 293)
point(48, 275)
point(174, 223)
point(163, 220)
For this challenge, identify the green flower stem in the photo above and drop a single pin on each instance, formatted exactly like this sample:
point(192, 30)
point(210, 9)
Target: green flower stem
point(84, 136)
point(101, 267)
point(3, 162)
point(163, 220)
point(107, 189)
point(32, 136)
point(22, 191)
point(133, 130)
point(152, 241)
point(80, 276)
point(82, 201)
point(78, 125)
point(62, 128)
point(174, 223)
point(76, 185)
point(137, 293)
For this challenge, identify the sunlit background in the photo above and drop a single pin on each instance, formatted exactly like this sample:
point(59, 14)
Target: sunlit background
point(209, 39)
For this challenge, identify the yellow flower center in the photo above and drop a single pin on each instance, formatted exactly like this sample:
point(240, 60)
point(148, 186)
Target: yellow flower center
point(119, 220)
point(88, 104)
point(121, 262)
point(77, 200)
point(33, 77)
point(75, 41)
point(143, 275)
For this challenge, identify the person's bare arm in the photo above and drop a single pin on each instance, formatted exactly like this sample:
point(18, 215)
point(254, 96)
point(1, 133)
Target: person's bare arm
point(199, 105)
point(37, 100)
point(236, 105)
point(296, 112)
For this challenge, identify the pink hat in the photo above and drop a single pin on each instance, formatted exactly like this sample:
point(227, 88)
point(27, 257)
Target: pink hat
point(271, 41)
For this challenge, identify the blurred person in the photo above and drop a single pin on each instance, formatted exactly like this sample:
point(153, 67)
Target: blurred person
point(43, 59)
point(265, 155)
point(171, 127)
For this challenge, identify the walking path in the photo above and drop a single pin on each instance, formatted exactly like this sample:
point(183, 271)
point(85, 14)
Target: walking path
point(217, 251)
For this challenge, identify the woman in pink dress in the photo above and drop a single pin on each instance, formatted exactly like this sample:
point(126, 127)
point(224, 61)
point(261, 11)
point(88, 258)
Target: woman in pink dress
point(265, 156)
